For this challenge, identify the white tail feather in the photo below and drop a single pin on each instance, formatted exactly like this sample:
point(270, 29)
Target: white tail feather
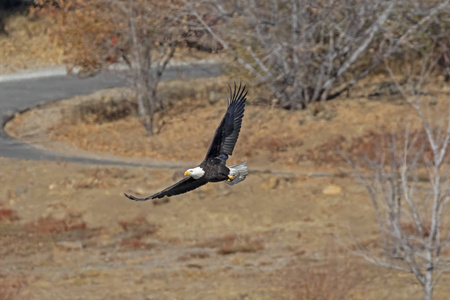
point(239, 171)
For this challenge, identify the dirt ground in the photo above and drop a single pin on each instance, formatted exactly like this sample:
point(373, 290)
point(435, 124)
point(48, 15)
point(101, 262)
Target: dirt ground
point(75, 236)
point(69, 233)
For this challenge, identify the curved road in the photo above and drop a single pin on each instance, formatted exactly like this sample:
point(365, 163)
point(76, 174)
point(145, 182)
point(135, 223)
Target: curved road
point(18, 95)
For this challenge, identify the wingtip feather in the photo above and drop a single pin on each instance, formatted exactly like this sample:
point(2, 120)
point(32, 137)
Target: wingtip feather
point(131, 197)
point(238, 94)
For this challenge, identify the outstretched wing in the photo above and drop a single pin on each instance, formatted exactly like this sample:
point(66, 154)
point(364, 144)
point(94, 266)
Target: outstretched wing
point(185, 185)
point(227, 133)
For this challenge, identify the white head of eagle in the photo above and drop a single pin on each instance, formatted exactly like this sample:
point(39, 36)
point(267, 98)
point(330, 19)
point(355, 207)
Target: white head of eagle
point(195, 173)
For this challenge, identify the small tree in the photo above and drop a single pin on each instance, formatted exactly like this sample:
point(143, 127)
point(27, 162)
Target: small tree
point(407, 181)
point(141, 33)
point(154, 32)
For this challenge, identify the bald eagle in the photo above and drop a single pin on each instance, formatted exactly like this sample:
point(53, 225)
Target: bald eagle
point(213, 168)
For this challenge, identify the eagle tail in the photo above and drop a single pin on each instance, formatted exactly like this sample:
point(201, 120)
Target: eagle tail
point(240, 172)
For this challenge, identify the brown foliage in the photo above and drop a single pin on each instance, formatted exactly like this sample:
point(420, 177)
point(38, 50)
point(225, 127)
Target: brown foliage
point(10, 288)
point(135, 232)
point(47, 225)
point(143, 34)
point(411, 228)
point(233, 243)
point(84, 29)
point(94, 34)
point(368, 146)
point(135, 243)
point(8, 215)
point(278, 144)
point(194, 255)
point(99, 112)
point(139, 225)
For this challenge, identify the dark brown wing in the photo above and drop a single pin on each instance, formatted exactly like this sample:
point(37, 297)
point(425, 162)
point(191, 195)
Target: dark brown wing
point(185, 185)
point(227, 133)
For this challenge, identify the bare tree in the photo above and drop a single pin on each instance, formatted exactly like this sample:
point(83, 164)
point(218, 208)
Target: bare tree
point(408, 186)
point(304, 51)
point(152, 34)
point(95, 34)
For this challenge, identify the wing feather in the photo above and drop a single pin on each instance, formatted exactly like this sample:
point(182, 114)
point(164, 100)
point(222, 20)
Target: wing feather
point(185, 185)
point(227, 133)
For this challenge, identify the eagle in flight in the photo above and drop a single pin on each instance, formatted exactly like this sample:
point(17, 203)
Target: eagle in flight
point(213, 168)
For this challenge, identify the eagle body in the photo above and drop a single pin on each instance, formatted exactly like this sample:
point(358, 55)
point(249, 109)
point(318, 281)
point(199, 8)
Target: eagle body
point(213, 168)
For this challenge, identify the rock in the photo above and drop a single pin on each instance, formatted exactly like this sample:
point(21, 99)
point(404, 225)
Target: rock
point(222, 189)
point(270, 184)
point(20, 190)
point(65, 246)
point(434, 101)
point(302, 122)
point(41, 283)
point(332, 189)
point(56, 211)
point(214, 97)
point(91, 273)
point(194, 266)
point(140, 191)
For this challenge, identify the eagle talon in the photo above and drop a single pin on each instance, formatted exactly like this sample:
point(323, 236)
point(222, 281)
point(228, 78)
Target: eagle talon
point(231, 178)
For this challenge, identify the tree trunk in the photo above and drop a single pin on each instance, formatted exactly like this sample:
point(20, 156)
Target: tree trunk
point(428, 292)
point(149, 127)
point(150, 112)
point(142, 109)
point(428, 284)
point(2, 26)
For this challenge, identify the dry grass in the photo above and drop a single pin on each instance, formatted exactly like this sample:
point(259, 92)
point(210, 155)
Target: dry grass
point(243, 264)
point(271, 136)
point(255, 235)
point(334, 277)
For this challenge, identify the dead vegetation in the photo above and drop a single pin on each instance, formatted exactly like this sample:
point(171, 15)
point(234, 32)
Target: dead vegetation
point(287, 138)
point(71, 221)
point(233, 243)
point(10, 288)
point(136, 233)
point(139, 226)
point(8, 215)
point(334, 279)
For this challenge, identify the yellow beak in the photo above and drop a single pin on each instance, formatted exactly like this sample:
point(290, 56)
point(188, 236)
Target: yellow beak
point(187, 173)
